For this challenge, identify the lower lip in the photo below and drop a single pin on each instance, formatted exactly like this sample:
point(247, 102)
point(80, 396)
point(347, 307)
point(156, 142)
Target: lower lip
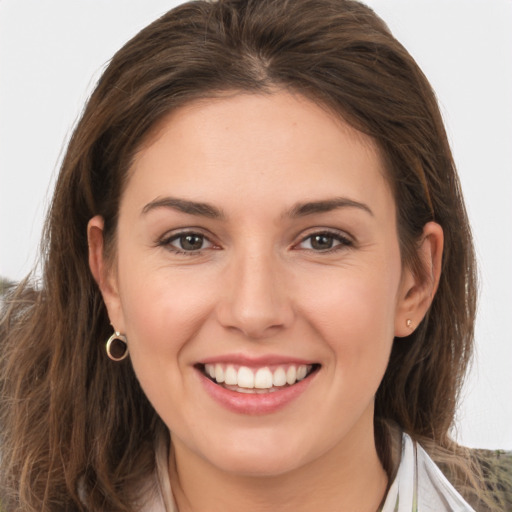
point(255, 403)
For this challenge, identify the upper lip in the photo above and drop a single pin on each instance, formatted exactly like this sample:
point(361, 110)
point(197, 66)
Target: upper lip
point(255, 361)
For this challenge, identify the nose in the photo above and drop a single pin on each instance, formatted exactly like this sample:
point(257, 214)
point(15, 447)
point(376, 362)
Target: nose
point(256, 298)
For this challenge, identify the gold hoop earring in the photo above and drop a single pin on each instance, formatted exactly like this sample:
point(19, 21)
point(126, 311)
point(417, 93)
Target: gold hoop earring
point(117, 347)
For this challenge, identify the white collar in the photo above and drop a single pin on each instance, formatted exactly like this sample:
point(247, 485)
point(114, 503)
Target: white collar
point(420, 486)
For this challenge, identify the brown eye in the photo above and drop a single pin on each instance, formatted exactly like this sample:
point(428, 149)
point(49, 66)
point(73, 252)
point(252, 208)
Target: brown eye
point(322, 242)
point(187, 243)
point(191, 242)
point(325, 242)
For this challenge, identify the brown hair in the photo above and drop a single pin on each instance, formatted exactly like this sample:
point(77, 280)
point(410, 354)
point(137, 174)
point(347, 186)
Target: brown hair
point(74, 425)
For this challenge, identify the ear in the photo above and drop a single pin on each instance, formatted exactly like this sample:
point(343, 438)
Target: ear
point(417, 291)
point(104, 273)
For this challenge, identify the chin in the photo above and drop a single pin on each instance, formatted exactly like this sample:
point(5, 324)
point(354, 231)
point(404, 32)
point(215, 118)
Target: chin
point(262, 466)
point(258, 458)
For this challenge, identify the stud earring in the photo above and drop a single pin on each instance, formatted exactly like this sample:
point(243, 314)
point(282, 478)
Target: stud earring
point(117, 347)
point(408, 322)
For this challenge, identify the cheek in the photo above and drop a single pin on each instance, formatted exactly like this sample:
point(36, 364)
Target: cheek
point(354, 312)
point(163, 315)
point(164, 308)
point(360, 300)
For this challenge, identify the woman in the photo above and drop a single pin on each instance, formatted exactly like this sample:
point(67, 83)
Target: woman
point(259, 279)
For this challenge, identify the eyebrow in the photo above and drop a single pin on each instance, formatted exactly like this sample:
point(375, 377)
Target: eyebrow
point(185, 206)
point(327, 205)
point(298, 210)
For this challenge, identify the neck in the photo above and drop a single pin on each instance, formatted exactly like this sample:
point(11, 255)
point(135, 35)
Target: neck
point(348, 477)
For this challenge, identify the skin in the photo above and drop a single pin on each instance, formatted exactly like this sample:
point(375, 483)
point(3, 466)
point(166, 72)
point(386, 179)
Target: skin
point(259, 287)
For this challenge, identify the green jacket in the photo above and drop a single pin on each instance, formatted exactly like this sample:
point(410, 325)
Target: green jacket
point(496, 467)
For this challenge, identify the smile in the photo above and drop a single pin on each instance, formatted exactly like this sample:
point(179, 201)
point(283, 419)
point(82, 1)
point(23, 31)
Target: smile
point(265, 379)
point(250, 386)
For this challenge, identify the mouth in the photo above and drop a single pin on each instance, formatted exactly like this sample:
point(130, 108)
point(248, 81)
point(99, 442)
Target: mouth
point(257, 380)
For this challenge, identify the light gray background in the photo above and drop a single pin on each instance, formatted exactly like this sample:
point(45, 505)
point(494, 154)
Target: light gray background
point(52, 52)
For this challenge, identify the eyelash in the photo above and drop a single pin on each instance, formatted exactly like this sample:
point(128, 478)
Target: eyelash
point(334, 236)
point(167, 243)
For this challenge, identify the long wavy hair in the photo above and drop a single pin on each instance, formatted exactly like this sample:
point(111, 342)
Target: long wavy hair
point(75, 427)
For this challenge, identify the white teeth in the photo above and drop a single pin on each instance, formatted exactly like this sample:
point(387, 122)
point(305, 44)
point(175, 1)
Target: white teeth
point(231, 376)
point(301, 372)
point(263, 379)
point(260, 379)
point(291, 375)
point(219, 373)
point(245, 377)
point(279, 377)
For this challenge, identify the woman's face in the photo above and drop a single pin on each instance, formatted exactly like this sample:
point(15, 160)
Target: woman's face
point(257, 243)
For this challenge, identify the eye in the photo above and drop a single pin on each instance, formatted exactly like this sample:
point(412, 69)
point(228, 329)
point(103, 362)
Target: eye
point(324, 242)
point(187, 243)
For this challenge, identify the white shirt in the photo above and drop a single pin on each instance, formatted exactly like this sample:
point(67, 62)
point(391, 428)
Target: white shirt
point(420, 486)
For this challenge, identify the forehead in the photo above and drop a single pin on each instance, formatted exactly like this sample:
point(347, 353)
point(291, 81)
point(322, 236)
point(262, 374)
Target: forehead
point(257, 145)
